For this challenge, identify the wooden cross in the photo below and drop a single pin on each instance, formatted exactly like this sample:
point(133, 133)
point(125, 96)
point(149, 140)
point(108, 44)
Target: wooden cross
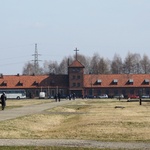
point(76, 52)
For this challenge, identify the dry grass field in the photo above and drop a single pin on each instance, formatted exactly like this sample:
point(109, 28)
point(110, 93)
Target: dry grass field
point(93, 119)
point(25, 102)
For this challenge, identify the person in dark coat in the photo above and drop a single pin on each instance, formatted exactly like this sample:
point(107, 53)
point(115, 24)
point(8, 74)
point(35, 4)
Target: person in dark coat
point(56, 96)
point(74, 96)
point(59, 97)
point(3, 100)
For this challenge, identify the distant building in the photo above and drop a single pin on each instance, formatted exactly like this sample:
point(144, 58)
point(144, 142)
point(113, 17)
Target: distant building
point(79, 83)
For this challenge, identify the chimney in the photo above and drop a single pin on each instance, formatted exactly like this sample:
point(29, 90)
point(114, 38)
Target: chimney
point(1, 75)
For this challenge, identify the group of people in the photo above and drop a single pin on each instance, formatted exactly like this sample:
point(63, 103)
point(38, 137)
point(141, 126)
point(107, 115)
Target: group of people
point(72, 96)
point(58, 96)
point(3, 100)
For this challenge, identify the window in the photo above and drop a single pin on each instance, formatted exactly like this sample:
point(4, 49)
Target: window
point(130, 81)
point(3, 83)
point(131, 91)
point(77, 69)
point(74, 84)
point(115, 92)
point(78, 77)
point(19, 84)
point(146, 81)
point(78, 84)
point(99, 81)
point(73, 70)
point(115, 81)
point(35, 83)
point(73, 77)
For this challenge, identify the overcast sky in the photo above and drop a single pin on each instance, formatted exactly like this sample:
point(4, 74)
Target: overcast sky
point(59, 26)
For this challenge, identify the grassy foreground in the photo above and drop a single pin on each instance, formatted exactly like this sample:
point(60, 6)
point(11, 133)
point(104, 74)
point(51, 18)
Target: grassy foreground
point(84, 119)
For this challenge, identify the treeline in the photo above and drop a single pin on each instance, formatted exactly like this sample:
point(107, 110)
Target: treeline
point(133, 63)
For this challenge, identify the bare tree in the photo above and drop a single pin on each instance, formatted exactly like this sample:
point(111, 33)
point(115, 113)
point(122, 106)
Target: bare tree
point(46, 67)
point(136, 63)
point(70, 59)
point(116, 65)
point(103, 66)
point(94, 64)
point(63, 66)
point(145, 64)
point(28, 68)
point(132, 63)
point(87, 65)
point(50, 67)
point(128, 63)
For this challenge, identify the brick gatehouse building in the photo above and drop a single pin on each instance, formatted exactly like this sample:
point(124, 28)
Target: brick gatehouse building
point(79, 83)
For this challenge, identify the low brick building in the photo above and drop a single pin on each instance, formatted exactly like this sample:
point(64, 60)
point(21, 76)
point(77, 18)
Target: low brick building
point(79, 83)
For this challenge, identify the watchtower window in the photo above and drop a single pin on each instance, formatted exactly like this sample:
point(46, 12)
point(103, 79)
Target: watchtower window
point(74, 84)
point(78, 84)
point(73, 77)
point(78, 77)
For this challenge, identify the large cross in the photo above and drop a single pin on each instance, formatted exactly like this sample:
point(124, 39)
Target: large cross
point(76, 52)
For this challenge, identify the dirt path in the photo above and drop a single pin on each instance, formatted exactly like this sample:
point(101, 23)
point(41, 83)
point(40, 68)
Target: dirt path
point(28, 110)
point(74, 143)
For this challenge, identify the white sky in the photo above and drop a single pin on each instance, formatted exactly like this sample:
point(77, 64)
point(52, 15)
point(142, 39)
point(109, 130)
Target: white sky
point(59, 26)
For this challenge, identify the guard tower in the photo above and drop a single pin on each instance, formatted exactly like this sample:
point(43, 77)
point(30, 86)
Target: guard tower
point(76, 74)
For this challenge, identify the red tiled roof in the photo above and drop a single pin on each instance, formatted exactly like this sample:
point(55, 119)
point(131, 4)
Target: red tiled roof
point(122, 80)
point(76, 63)
point(25, 81)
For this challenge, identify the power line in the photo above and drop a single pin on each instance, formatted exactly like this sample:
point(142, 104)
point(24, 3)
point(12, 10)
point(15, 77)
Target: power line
point(14, 57)
point(9, 64)
point(15, 46)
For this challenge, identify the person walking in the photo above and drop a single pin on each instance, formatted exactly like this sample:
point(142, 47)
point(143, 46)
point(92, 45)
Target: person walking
point(59, 97)
point(56, 96)
point(3, 100)
point(74, 96)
